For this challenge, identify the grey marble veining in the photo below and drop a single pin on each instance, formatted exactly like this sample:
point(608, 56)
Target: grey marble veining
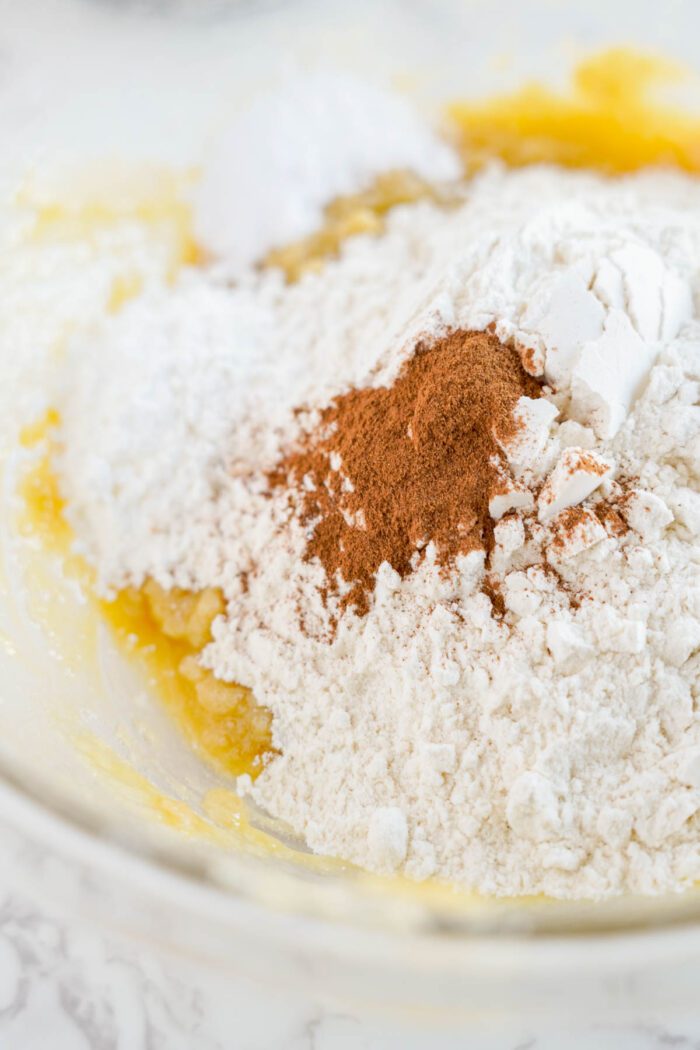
point(67, 987)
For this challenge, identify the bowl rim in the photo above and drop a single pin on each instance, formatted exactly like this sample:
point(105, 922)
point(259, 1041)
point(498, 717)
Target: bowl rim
point(157, 867)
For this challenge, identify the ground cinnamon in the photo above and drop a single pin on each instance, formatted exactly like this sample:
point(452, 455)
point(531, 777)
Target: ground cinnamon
point(390, 469)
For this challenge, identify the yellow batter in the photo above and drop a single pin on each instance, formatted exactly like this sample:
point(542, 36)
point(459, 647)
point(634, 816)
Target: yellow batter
point(608, 121)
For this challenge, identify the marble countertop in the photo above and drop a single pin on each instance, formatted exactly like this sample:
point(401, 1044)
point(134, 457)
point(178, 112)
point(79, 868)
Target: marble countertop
point(66, 986)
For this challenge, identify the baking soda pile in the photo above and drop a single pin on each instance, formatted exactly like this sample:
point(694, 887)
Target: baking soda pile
point(522, 716)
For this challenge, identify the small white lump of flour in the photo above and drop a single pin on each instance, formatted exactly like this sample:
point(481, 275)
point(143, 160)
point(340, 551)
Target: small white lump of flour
point(545, 740)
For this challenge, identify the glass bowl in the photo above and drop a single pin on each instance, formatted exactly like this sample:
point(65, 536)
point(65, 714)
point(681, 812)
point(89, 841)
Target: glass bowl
point(100, 793)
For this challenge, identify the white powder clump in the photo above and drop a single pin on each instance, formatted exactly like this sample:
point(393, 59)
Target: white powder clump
point(550, 750)
point(316, 136)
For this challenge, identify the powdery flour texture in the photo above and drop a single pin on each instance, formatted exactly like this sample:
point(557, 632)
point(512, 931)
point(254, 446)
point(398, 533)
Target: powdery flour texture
point(554, 748)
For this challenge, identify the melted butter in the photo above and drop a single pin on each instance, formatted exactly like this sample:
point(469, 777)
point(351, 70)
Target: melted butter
point(347, 217)
point(172, 812)
point(608, 120)
point(220, 719)
point(43, 507)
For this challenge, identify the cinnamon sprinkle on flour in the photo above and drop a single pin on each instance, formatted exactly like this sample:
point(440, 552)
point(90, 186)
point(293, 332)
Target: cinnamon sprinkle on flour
point(390, 469)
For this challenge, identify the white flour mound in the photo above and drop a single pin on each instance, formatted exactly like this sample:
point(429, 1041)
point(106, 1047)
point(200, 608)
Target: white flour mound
point(555, 750)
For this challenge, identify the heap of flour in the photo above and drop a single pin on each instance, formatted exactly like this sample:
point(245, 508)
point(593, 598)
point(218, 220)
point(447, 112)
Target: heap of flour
point(554, 748)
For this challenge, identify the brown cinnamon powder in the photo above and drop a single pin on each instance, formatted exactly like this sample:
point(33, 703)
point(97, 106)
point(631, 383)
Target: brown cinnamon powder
point(610, 516)
point(390, 469)
point(605, 511)
point(565, 525)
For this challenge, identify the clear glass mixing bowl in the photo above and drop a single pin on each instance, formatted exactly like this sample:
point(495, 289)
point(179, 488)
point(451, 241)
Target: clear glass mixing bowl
point(103, 81)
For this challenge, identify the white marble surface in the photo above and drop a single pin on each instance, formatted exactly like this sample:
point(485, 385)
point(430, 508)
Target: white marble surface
point(68, 986)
